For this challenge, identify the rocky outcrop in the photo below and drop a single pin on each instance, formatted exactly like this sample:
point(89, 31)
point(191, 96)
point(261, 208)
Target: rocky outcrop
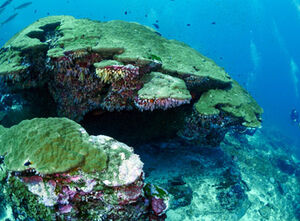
point(51, 169)
point(122, 66)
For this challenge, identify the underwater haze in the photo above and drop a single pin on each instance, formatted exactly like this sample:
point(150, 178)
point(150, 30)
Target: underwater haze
point(232, 174)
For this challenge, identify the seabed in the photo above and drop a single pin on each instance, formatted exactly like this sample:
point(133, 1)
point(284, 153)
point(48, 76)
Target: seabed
point(246, 178)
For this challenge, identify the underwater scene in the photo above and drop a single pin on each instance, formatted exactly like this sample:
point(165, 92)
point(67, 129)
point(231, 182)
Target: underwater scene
point(137, 110)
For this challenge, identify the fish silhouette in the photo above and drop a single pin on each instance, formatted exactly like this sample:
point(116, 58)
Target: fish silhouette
point(24, 5)
point(9, 19)
point(6, 3)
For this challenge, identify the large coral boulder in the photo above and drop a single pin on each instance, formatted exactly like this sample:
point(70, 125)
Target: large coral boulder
point(122, 66)
point(218, 110)
point(52, 169)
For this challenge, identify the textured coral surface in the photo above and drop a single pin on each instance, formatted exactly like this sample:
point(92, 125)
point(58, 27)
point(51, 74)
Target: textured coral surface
point(52, 169)
point(95, 67)
point(89, 65)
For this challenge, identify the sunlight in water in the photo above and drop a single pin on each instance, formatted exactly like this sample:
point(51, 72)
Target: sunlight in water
point(294, 73)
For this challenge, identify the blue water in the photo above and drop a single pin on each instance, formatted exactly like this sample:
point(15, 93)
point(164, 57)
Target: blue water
point(256, 41)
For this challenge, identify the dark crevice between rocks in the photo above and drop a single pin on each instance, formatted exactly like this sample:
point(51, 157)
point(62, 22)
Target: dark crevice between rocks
point(135, 127)
point(28, 104)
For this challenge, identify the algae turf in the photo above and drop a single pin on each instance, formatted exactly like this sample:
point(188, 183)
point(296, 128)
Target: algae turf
point(102, 179)
point(53, 138)
point(25, 204)
point(117, 66)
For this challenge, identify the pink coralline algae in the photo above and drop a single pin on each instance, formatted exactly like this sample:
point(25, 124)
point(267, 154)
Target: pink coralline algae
point(103, 195)
point(113, 73)
point(79, 84)
point(131, 193)
point(124, 86)
point(159, 103)
point(75, 88)
point(158, 206)
point(32, 179)
point(65, 208)
point(68, 192)
point(79, 87)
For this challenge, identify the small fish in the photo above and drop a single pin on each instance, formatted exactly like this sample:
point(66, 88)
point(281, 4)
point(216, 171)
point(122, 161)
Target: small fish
point(24, 5)
point(1, 159)
point(125, 12)
point(146, 15)
point(159, 34)
point(27, 163)
point(156, 21)
point(9, 18)
point(156, 25)
point(188, 25)
point(6, 3)
point(35, 11)
point(213, 23)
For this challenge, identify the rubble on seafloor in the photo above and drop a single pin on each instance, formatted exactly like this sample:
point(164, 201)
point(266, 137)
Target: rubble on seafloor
point(91, 67)
point(245, 178)
point(51, 169)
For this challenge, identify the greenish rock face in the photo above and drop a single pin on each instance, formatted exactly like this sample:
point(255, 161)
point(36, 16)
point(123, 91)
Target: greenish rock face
point(126, 42)
point(234, 101)
point(117, 65)
point(158, 85)
point(50, 145)
point(51, 169)
point(106, 63)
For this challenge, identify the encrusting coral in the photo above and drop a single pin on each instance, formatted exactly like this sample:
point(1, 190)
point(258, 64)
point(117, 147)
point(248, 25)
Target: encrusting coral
point(123, 66)
point(53, 169)
point(162, 91)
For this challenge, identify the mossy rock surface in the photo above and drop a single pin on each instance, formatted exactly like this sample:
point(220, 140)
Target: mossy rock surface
point(127, 42)
point(234, 101)
point(25, 203)
point(158, 86)
point(106, 63)
point(52, 145)
point(2, 130)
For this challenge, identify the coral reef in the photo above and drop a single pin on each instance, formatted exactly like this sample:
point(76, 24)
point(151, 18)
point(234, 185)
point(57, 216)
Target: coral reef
point(52, 169)
point(121, 66)
point(233, 101)
point(218, 111)
point(124, 85)
point(162, 91)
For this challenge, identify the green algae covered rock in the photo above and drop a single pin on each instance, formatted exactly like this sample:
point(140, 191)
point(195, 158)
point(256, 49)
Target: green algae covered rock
point(105, 63)
point(51, 169)
point(158, 85)
point(87, 66)
point(234, 101)
point(2, 130)
point(51, 145)
point(126, 42)
point(19, 196)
